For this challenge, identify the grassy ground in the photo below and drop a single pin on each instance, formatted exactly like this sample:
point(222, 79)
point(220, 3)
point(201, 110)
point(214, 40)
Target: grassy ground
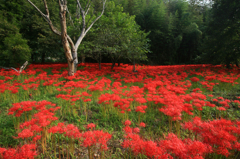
point(166, 86)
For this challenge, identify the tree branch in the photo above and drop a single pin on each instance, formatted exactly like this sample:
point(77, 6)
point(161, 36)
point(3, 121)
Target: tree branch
point(97, 17)
point(83, 33)
point(46, 8)
point(47, 18)
point(20, 70)
point(87, 6)
point(70, 17)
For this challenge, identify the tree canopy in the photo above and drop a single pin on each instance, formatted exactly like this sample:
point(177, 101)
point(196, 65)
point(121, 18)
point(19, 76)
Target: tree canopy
point(157, 31)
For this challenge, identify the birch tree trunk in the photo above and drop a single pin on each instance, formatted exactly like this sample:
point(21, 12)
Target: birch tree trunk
point(64, 36)
point(70, 52)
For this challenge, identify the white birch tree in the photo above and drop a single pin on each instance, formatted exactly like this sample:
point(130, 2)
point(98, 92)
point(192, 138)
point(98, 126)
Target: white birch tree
point(70, 48)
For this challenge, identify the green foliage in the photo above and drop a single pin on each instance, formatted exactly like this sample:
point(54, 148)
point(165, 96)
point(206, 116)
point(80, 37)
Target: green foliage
point(16, 50)
point(222, 43)
point(43, 42)
point(179, 31)
point(117, 36)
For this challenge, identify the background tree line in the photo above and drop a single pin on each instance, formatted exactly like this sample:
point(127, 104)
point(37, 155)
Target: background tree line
point(151, 31)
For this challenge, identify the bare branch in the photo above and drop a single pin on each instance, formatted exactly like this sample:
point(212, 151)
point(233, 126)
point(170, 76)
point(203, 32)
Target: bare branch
point(83, 33)
point(70, 17)
point(21, 68)
point(46, 8)
point(83, 17)
point(90, 18)
point(87, 6)
point(79, 5)
point(44, 16)
point(97, 17)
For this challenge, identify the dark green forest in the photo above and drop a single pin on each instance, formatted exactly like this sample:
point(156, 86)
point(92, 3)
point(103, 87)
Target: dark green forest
point(154, 32)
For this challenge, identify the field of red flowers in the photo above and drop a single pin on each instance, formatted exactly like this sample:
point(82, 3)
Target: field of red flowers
point(179, 111)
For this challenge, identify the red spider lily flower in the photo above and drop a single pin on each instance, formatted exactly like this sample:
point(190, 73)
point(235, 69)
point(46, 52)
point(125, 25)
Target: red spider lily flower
point(141, 108)
point(127, 123)
point(116, 84)
point(221, 108)
point(197, 149)
point(122, 112)
point(87, 100)
point(72, 131)
point(142, 124)
point(210, 95)
point(210, 104)
point(35, 128)
point(2, 150)
point(94, 137)
point(91, 126)
point(136, 130)
point(19, 108)
point(86, 94)
point(141, 100)
point(127, 129)
point(220, 98)
point(196, 89)
point(174, 145)
point(54, 129)
point(194, 79)
point(215, 100)
point(36, 138)
point(220, 134)
point(25, 152)
point(188, 108)
point(26, 133)
point(14, 91)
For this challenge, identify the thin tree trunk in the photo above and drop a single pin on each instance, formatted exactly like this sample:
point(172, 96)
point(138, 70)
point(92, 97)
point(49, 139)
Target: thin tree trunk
point(75, 62)
point(237, 64)
point(99, 64)
point(66, 47)
point(100, 60)
point(118, 64)
point(43, 57)
point(83, 58)
point(134, 69)
point(113, 64)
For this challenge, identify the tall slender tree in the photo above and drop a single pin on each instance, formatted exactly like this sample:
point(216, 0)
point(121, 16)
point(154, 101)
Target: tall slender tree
point(70, 49)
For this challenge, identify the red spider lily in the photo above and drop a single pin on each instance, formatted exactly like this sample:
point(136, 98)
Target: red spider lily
point(86, 94)
point(142, 124)
point(184, 148)
point(72, 131)
point(87, 100)
point(91, 126)
point(194, 79)
point(141, 100)
point(27, 151)
point(221, 108)
point(210, 95)
point(26, 133)
point(91, 138)
point(127, 123)
point(218, 133)
point(37, 138)
point(141, 108)
point(116, 84)
point(196, 89)
point(19, 108)
point(136, 130)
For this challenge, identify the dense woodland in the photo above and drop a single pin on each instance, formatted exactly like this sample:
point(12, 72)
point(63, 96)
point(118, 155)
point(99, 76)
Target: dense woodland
point(155, 32)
